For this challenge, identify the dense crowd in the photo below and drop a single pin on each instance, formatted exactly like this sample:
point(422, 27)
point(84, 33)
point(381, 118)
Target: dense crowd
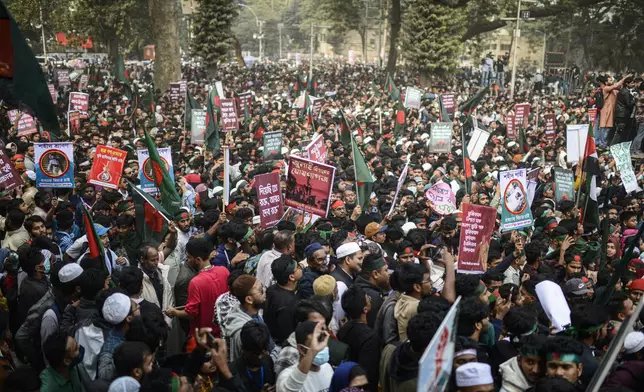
point(349, 303)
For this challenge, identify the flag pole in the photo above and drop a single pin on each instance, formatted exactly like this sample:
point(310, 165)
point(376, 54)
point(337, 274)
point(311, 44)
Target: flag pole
point(160, 213)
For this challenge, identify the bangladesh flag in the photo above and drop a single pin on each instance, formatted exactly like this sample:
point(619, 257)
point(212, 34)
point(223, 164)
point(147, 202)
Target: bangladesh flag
point(364, 179)
point(392, 90)
point(212, 120)
point(444, 114)
point(151, 217)
point(121, 75)
point(523, 141)
point(587, 199)
point(258, 129)
point(313, 87)
point(401, 118)
point(94, 243)
point(467, 164)
point(375, 89)
point(170, 199)
point(191, 103)
point(468, 106)
point(22, 83)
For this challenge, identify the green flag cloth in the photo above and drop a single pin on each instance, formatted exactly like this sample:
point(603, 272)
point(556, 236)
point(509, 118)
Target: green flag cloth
point(212, 127)
point(364, 179)
point(94, 243)
point(469, 105)
point(392, 90)
point(444, 114)
point(401, 118)
point(467, 164)
point(170, 199)
point(191, 103)
point(150, 223)
point(22, 83)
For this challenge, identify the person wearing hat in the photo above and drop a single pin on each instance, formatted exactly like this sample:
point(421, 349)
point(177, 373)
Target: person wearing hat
point(251, 294)
point(111, 260)
point(118, 310)
point(281, 298)
point(636, 290)
point(376, 233)
point(629, 375)
point(474, 377)
point(563, 358)
point(338, 209)
point(317, 261)
point(349, 264)
point(373, 279)
point(576, 290)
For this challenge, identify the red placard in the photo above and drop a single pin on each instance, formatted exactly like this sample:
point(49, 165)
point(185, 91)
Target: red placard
point(448, 103)
point(79, 101)
point(9, 177)
point(52, 92)
point(228, 114)
point(521, 113)
point(73, 122)
point(269, 197)
point(510, 126)
point(107, 167)
point(309, 185)
point(592, 115)
point(26, 123)
point(551, 126)
point(316, 150)
point(476, 232)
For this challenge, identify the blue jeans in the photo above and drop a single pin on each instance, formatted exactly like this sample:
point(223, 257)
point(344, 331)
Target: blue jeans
point(602, 136)
point(501, 78)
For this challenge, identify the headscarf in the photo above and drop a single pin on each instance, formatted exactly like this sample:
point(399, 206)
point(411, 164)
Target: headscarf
point(341, 376)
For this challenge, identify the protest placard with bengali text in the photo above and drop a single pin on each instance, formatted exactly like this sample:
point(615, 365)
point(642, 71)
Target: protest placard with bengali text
point(550, 126)
point(83, 81)
point(273, 145)
point(510, 127)
point(79, 101)
point(521, 113)
point(316, 150)
point(515, 211)
point(622, 155)
point(62, 76)
point(228, 114)
point(442, 198)
point(107, 167)
point(564, 184)
point(198, 126)
point(476, 231)
point(9, 176)
point(175, 91)
point(269, 197)
point(448, 103)
point(412, 98)
point(146, 170)
point(440, 140)
point(309, 185)
point(73, 122)
point(54, 165)
point(52, 92)
point(26, 124)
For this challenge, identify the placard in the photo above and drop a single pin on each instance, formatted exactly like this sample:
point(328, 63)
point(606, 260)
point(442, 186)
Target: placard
point(175, 91)
point(198, 126)
point(316, 107)
point(550, 126)
point(440, 140)
point(220, 89)
point(521, 113)
point(54, 165)
point(183, 87)
point(564, 184)
point(26, 124)
point(477, 143)
point(592, 115)
point(272, 145)
point(309, 185)
point(449, 103)
point(228, 114)
point(52, 92)
point(79, 101)
point(146, 175)
point(622, 155)
point(436, 364)
point(510, 127)
point(476, 231)
point(245, 102)
point(73, 123)
point(83, 81)
point(515, 213)
point(269, 197)
point(9, 176)
point(62, 76)
point(401, 181)
point(107, 167)
point(412, 98)
point(576, 137)
point(316, 150)
point(442, 198)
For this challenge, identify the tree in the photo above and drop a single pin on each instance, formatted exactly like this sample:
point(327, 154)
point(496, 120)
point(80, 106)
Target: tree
point(213, 38)
point(167, 64)
point(431, 38)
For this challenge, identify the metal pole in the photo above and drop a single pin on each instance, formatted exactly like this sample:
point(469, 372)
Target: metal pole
point(279, 27)
point(517, 34)
point(311, 61)
point(260, 40)
point(545, 44)
point(42, 32)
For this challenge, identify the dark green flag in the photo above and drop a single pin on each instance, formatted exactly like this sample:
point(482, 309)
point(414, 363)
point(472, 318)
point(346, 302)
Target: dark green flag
point(22, 83)
point(191, 103)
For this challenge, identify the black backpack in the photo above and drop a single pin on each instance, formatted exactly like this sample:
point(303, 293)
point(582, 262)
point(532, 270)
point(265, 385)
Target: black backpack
point(598, 96)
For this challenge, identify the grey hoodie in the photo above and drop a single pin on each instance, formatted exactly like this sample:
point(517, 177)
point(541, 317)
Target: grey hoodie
point(233, 324)
point(513, 378)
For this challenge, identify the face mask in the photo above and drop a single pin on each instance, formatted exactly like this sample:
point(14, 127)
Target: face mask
point(322, 357)
point(79, 358)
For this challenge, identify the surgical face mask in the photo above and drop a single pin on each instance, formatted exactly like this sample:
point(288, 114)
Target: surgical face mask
point(322, 357)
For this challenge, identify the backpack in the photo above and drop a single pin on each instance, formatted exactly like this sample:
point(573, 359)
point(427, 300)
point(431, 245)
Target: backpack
point(27, 339)
point(598, 97)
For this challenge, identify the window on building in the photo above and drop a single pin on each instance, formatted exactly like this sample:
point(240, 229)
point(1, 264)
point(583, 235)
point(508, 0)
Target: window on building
point(506, 47)
point(493, 46)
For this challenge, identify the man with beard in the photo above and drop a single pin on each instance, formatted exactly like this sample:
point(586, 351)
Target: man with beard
point(87, 198)
point(374, 281)
point(448, 235)
point(338, 210)
point(127, 241)
point(415, 283)
point(182, 233)
point(349, 198)
point(316, 258)
point(349, 264)
point(251, 294)
point(281, 298)
point(118, 310)
point(156, 288)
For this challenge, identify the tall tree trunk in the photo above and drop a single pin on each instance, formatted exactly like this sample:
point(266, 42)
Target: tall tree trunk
point(363, 41)
point(167, 65)
point(238, 52)
point(393, 38)
point(113, 49)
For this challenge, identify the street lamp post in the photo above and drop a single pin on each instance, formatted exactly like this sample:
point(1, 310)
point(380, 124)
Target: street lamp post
point(259, 36)
point(280, 26)
point(517, 34)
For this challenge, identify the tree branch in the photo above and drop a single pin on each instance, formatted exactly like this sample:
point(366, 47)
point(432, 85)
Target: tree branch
point(535, 12)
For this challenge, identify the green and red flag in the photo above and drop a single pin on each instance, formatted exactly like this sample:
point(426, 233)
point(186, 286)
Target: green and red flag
point(364, 178)
point(444, 114)
point(212, 123)
point(258, 129)
point(523, 141)
point(94, 243)
point(191, 103)
point(392, 90)
point(22, 83)
point(170, 199)
point(587, 195)
point(401, 118)
point(312, 87)
point(151, 217)
point(468, 106)
point(120, 74)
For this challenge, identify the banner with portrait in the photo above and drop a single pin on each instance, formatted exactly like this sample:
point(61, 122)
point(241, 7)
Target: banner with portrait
point(107, 167)
point(146, 175)
point(54, 165)
point(515, 211)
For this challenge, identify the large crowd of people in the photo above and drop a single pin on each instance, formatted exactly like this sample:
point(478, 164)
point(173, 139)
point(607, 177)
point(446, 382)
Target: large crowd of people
point(349, 303)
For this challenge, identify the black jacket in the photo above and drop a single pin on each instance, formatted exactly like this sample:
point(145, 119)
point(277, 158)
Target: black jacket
point(364, 348)
point(376, 298)
point(625, 104)
point(305, 286)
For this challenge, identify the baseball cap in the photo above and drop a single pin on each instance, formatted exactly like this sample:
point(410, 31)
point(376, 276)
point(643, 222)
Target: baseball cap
point(576, 286)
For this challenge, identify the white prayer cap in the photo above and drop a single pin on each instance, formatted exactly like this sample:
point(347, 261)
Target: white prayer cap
point(473, 374)
point(427, 166)
point(424, 136)
point(408, 226)
point(284, 150)
point(116, 308)
point(512, 144)
point(634, 342)
point(347, 249)
point(367, 139)
point(69, 272)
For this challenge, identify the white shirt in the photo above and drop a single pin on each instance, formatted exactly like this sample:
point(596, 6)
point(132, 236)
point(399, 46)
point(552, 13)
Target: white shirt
point(264, 273)
point(292, 379)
